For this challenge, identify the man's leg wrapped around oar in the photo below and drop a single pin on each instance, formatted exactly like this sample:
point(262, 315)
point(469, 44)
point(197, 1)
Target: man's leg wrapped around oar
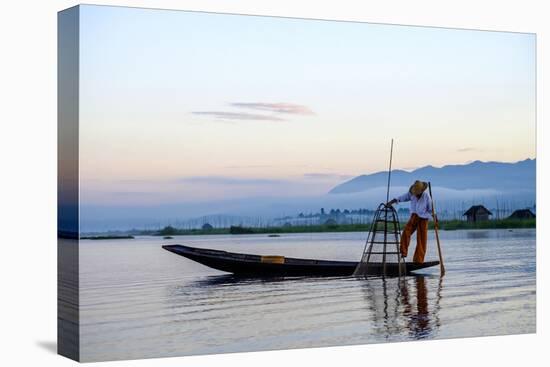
point(408, 231)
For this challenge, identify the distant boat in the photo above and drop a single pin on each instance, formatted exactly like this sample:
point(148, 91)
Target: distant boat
point(260, 266)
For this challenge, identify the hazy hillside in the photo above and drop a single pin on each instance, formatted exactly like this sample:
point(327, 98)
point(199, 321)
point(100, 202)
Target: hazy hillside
point(475, 175)
point(456, 187)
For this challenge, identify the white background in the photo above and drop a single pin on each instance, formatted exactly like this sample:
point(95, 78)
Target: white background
point(28, 182)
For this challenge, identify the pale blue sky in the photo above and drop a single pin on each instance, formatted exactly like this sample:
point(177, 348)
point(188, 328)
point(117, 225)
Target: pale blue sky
point(187, 106)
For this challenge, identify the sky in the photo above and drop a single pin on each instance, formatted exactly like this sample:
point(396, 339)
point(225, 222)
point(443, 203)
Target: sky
point(190, 107)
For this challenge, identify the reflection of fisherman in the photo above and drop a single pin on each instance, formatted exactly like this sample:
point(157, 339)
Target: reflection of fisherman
point(421, 209)
point(419, 321)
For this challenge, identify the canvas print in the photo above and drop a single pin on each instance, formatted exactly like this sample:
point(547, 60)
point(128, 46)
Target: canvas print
point(234, 183)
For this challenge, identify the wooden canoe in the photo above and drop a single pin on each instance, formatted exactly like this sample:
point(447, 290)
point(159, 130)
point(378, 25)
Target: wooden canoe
point(264, 266)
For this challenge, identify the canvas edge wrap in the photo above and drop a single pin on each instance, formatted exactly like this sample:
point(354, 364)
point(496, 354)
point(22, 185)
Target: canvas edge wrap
point(68, 329)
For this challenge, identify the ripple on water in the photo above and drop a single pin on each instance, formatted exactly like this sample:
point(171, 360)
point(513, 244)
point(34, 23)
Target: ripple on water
point(140, 301)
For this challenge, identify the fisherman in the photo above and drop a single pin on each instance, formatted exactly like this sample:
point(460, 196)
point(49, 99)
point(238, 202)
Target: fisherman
point(421, 212)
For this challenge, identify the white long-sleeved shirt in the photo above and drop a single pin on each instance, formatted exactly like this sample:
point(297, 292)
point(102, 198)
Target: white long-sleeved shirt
point(420, 206)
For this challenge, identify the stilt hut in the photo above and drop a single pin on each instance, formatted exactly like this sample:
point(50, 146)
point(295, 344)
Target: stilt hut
point(477, 213)
point(522, 214)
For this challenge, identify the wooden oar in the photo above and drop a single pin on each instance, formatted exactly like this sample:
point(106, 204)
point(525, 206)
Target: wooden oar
point(436, 225)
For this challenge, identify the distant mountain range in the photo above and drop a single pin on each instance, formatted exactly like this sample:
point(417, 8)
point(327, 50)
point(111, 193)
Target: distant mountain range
point(520, 176)
point(456, 187)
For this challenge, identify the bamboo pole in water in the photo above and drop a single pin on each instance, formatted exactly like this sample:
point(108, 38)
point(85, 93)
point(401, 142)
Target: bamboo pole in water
point(436, 225)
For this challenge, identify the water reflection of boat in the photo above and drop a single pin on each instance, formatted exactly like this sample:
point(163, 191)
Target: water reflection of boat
point(403, 304)
point(256, 265)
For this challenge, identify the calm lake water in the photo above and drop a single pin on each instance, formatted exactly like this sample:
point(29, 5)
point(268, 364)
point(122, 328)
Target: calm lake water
point(140, 301)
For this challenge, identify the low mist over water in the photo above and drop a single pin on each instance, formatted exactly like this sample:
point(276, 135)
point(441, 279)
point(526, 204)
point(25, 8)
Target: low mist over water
point(502, 187)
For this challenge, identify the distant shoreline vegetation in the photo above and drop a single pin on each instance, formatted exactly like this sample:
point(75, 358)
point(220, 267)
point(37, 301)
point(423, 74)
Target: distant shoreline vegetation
point(448, 225)
point(108, 237)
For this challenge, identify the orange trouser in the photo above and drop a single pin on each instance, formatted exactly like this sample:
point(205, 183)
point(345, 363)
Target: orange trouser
point(420, 225)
